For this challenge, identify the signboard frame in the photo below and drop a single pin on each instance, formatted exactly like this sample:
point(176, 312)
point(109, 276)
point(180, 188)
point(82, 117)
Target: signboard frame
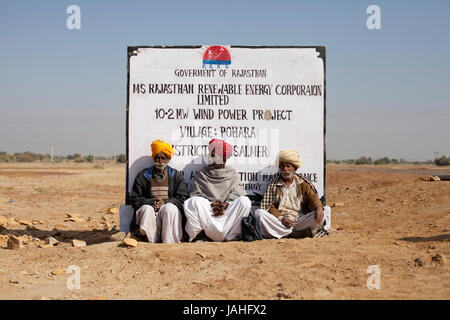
point(131, 52)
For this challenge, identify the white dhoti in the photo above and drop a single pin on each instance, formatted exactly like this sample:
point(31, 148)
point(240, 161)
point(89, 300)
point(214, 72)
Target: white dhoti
point(271, 227)
point(226, 227)
point(162, 226)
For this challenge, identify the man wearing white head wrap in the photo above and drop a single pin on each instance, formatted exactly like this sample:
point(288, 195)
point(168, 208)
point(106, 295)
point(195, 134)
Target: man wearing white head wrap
point(290, 206)
point(289, 156)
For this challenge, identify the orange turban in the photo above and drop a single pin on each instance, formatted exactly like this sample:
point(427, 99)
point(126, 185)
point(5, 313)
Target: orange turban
point(161, 146)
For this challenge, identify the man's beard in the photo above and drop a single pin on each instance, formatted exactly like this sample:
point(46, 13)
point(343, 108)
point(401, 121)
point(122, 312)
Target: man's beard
point(215, 160)
point(287, 174)
point(160, 166)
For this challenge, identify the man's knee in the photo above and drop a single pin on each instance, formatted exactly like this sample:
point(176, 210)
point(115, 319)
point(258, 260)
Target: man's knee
point(245, 202)
point(145, 208)
point(262, 215)
point(169, 209)
point(259, 213)
point(195, 201)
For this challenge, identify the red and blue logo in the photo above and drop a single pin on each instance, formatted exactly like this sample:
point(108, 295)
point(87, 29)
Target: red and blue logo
point(216, 55)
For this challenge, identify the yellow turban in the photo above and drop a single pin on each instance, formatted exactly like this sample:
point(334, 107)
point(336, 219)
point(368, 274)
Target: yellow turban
point(161, 146)
point(290, 156)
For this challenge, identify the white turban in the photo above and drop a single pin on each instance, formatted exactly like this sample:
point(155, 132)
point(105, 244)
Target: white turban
point(290, 156)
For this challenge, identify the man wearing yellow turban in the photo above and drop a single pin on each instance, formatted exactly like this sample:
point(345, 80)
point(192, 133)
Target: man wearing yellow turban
point(159, 146)
point(290, 206)
point(158, 195)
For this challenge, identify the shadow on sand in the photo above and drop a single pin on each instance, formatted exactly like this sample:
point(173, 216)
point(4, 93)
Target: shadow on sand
point(441, 237)
point(66, 236)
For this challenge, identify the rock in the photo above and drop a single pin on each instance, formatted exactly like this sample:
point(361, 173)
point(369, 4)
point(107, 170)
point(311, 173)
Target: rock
point(107, 226)
point(31, 227)
point(78, 243)
point(3, 222)
point(74, 219)
point(57, 271)
point(45, 246)
point(439, 258)
point(338, 204)
point(283, 294)
point(61, 226)
point(201, 255)
point(130, 242)
point(12, 222)
point(118, 236)
point(431, 178)
point(113, 211)
point(24, 222)
point(14, 243)
point(73, 215)
point(419, 262)
point(51, 241)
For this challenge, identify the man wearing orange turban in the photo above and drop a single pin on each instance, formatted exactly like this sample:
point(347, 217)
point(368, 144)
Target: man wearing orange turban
point(158, 195)
point(217, 204)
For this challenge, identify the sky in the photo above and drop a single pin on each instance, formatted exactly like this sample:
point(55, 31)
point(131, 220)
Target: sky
point(388, 90)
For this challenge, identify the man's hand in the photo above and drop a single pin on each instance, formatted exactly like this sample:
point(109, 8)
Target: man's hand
point(219, 208)
point(287, 222)
point(157, 204)
point(319, 215)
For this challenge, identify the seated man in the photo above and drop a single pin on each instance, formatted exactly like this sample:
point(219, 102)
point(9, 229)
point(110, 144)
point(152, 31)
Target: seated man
point(158, 195)
point(217, 204)
point(290, 207)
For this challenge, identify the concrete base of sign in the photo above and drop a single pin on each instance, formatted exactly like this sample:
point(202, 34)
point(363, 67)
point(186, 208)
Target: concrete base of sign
point(126, 215)
point(327, 214)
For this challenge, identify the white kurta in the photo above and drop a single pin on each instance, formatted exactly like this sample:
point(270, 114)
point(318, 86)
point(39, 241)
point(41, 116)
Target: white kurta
point(226, 227)
point(272, 227)
point(162, 226)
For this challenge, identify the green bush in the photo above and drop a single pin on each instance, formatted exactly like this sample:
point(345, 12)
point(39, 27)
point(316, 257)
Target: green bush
point(23, 157)
point(442, 161)
point(5, 157)
point(384, 160)
point(362, 160)
point(121, 158)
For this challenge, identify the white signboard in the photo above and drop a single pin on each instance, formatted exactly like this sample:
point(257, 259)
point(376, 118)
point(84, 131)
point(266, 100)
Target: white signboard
point(259, 99)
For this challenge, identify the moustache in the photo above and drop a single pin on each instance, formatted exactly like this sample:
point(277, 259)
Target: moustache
point(286, 174)
point(160, 166)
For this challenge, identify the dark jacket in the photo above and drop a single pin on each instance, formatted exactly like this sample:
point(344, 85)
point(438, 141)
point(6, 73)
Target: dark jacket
point(140, 194)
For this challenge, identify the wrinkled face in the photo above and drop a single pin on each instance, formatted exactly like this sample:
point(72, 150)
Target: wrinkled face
point(287, 170)
point(214, 160)
point(161, 161)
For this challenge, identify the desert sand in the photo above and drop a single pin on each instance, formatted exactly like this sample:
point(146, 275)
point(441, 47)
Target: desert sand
point(385, 216)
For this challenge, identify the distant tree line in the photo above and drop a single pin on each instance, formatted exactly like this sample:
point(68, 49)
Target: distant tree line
point(28, 156)
point(442, 161)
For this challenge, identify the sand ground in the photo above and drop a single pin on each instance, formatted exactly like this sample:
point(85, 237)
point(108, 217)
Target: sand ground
point(392, 219)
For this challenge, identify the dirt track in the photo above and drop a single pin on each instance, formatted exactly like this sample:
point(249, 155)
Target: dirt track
point(392, 219)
